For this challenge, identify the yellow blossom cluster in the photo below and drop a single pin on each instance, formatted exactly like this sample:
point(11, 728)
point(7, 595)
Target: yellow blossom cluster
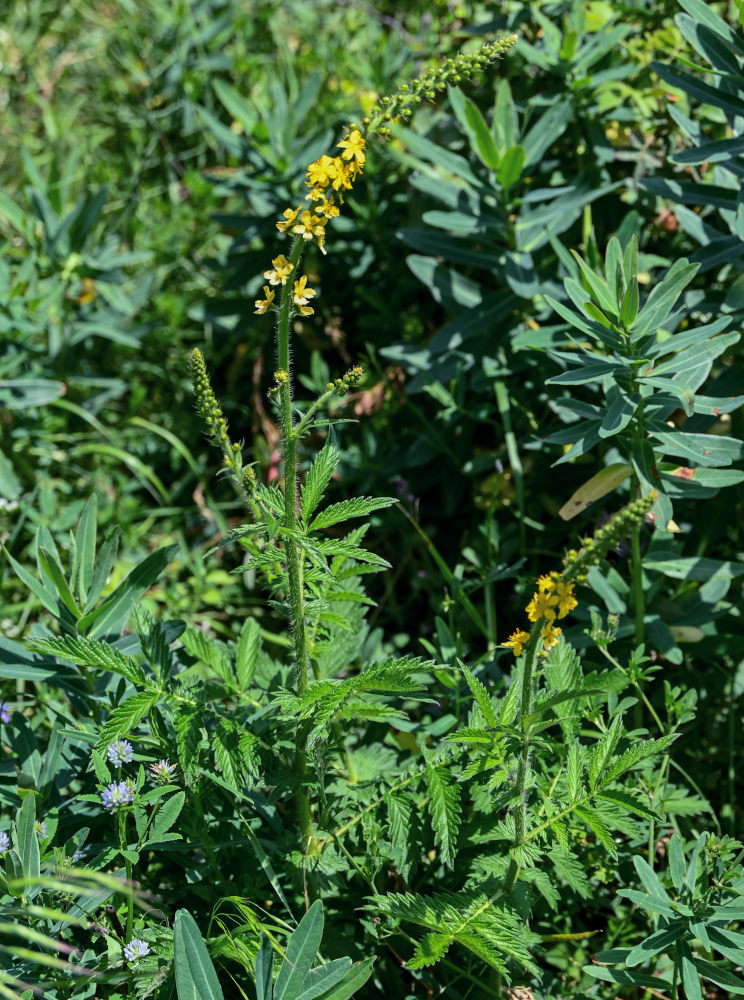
point(327, 179)
point(553, 599)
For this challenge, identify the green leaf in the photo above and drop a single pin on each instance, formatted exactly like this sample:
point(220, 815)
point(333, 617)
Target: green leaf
point(663, 297)
point(353, 981)
point(90, 653)
point(690, 978)
point(633, 755)
point(113, 613)
point(264, 969)
point(598, 826)
point(346, 509)
point(302, 948)
point(473, 122)
point(102, 568)
point(125, 717)
point(323, 978)
point(574, 771)
point(597, 286)
point(444, 810)
point(166, 816)
point(619, 414)
point(676, 862)
point(48, 598)
point(655, 944)
point(249, 647)
point(54, 574)
point(26, 840)
point(710, 450)
point(691, 567)
point(85, 550)
point(510, 169)
point(626, 978)
point(604, 750)
point(196, 978)
point(209, 651)
point(649, 878)
point(629, 304)
point(718, 975)
point(629, 802)
point(318, 478)
point(480, 694)
point(656, 904)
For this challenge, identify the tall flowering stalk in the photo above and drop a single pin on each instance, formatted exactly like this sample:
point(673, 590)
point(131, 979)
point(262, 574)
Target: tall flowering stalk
point(288, 295)
point(552, 600)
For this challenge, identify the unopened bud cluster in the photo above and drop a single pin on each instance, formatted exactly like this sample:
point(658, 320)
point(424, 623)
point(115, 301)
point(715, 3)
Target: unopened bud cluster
point(211, 413)
point(577, 563)
point(342, 385)
point(402, 103)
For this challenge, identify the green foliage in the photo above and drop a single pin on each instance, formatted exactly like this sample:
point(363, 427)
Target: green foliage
point(237, 758)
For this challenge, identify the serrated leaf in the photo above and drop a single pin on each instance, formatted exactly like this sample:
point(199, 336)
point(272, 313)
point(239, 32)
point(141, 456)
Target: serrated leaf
point(574, 771)
point(430, 950)
point(209, 651)
point(249, 647)
point(317, 479)
point(126, 717)
point(480, 694)
point(166, 816)
point(444, 810)
point(598, 826)
point(90, 653)
point(604, 750)
point(633, 755)
point(347, 509)
point(629, 802)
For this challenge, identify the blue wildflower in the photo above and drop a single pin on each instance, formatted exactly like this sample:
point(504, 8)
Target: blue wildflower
point(4, 843)
point(135, 950)
point(120, 752)
point(4, 711)
point(117, 794)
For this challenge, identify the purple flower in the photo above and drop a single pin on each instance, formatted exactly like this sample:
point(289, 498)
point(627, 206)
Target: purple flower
point(4, 843)
point(120, 752)
point(40, 828)
point(135, 950)
point(162, 772)
point(117, 794)
point(4, 711)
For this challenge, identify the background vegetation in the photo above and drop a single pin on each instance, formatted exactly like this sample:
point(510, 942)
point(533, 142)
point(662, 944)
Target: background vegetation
point(146, 151)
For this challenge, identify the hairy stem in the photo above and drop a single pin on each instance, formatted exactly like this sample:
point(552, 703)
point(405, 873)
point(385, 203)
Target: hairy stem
point(523, 765)
point(294, 567)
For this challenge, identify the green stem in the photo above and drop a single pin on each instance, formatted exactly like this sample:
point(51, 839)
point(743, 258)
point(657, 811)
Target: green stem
point(523, 767)
point(128, 868)
point(294, 569)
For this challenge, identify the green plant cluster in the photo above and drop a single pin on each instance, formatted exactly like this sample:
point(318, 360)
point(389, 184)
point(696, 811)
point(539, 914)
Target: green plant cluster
point(381, 636)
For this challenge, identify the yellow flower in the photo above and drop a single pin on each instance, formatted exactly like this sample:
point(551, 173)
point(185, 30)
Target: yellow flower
point(353, 147)
point(290, 214)
point(541, 606)
point(263, 304)
point(516, 641)
point(566, 600)
point(550, 637)
point(281, 271)
point(344, 176)
point(545, 584)
point(327, 207)
point(309, 225)
point(301, 294)
point(322, 172)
